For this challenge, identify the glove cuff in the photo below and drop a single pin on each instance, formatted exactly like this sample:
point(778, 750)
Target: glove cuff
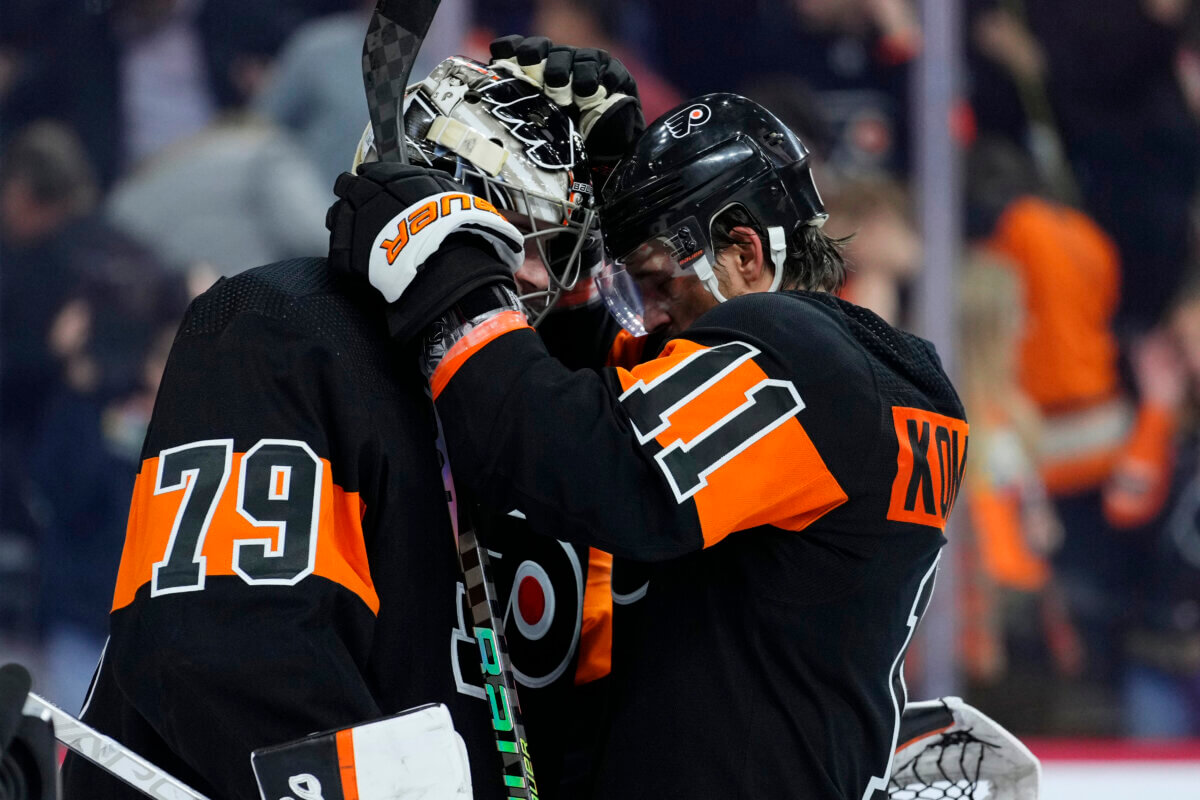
point(472, 310)
point(463, 265)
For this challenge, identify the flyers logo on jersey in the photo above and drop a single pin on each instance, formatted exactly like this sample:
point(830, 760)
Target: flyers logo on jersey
point(681, 123)
point(929, 467)
point(430, 212)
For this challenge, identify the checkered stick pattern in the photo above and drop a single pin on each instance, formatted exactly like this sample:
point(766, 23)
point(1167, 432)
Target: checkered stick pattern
point(486, 613)
point(394, 36)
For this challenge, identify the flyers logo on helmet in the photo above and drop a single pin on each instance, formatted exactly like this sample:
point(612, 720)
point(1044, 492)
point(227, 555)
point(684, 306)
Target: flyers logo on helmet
point(683, 122)
point(929, 467)
point(435, 209)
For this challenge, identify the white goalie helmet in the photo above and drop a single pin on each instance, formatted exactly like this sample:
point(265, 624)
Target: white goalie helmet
point(497, 134)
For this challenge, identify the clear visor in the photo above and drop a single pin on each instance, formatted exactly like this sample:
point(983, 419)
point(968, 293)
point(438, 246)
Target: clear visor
point(642, 278)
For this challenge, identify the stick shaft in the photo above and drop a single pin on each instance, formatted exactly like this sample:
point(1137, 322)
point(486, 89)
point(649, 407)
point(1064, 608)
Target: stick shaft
point(109, 754)
point(500, 683)
point(394, 36)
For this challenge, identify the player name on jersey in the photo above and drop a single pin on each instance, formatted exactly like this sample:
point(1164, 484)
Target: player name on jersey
point(929, 467)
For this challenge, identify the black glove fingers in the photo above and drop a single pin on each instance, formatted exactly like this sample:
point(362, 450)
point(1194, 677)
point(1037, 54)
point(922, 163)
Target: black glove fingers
point(586, 72)
point(618, 80)
point(342, 184)
point(505, 46)
point(558, 67)
point(360, 193)
point(331, 214)
point(434, 183)
point(383, 172)
point(447, 184)
point(422, 185)
point(340, 222)
point(533, 50)
point(399, 180)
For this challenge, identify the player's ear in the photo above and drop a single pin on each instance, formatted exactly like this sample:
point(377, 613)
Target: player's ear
point(748, 254)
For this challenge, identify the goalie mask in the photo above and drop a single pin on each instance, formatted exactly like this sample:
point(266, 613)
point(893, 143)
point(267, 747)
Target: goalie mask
point(499, 136)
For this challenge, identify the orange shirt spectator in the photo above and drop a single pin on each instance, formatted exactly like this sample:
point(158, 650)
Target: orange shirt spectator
point(1067, 361)
point(1071, 275)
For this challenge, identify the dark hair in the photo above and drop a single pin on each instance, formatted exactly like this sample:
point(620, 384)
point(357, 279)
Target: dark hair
point(814, 259)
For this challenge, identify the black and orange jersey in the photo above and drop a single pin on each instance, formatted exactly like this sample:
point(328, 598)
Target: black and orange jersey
point(289, 565)
point(557, 611)
point(774, 485)
point(587, 336)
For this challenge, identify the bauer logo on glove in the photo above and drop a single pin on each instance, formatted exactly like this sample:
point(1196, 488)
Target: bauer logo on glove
point(411, 224)
point(416, 233)
point(392, 218)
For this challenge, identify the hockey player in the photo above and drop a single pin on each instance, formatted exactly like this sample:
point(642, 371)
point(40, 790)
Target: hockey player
point(289, 565)
point(781, 472)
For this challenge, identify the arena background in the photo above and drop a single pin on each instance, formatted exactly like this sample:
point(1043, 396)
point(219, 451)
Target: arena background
point(1021, 179)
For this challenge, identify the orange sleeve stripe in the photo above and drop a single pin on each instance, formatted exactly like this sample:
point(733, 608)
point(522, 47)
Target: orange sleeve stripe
point(344, 740)
point(472, 343)
point(341, 550)
point(675, 351)
point(595, 641)
point(1141, 480)
point(780, 479)
point(626, 350)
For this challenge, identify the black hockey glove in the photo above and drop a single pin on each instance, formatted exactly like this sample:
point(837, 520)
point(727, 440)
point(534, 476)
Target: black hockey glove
point(420, 239)
point(590, 82)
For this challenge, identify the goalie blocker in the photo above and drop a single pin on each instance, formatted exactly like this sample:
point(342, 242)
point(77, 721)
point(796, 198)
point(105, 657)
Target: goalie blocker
point(413, 755)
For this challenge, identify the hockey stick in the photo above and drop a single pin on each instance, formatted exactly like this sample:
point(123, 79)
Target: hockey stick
point(109, 754)
point(394, 36)
point(498, 680)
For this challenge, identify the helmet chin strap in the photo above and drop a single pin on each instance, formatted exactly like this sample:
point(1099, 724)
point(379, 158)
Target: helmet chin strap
point(710, 283)
point(708, 276)
point(777, 240)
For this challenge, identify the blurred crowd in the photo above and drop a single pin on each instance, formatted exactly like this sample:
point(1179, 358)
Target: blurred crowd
point(148, 147)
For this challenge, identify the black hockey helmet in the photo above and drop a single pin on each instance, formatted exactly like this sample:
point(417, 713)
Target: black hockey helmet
point(692, 164)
